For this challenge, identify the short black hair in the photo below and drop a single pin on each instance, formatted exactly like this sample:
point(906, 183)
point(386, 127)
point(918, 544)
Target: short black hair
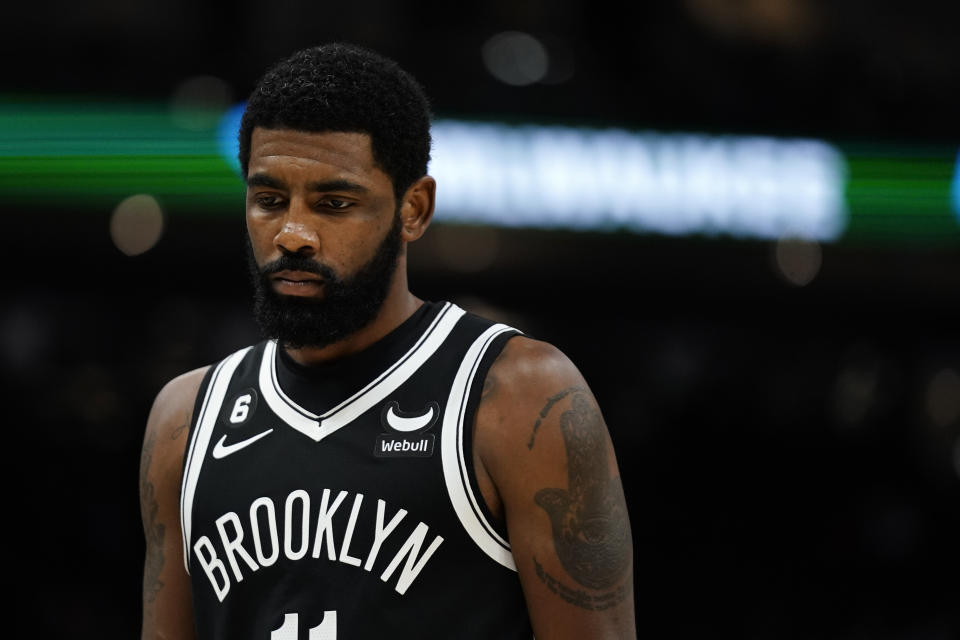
point(343, 87)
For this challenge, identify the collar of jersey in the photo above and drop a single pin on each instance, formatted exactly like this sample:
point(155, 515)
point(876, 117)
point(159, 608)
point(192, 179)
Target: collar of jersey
point(320, 426)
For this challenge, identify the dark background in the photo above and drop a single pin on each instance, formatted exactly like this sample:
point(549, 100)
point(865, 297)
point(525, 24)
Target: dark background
point(789, 465)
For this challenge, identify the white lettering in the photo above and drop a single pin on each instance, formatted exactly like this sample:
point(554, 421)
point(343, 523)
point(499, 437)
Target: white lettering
point(381, 533)
point(222, 566)
point(267, 503)
point(348, 536)
point(211, 565)
point(413, 565)
point(304, 498)
point(388, 446)
point(233, 547)
point(324, 522)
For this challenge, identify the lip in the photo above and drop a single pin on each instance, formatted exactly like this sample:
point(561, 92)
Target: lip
point(297, 283)
point(297, 276)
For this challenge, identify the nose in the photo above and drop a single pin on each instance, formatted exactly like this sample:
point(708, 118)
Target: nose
point(296, 235)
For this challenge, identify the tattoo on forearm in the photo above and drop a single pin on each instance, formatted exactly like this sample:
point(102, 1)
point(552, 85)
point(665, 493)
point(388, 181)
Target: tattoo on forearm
point(591, 530)
point(579, 597)
point(152, 530)
point(552, 400)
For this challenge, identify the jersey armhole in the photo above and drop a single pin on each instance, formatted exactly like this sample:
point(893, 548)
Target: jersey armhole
point(473, 402)
point(207, 404)
point(194, 417)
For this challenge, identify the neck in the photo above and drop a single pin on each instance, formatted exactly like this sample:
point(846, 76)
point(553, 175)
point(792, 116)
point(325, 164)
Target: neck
point(399, 305)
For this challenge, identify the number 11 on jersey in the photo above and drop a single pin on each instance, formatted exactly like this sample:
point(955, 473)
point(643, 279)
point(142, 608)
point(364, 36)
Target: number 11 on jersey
point(290, 629)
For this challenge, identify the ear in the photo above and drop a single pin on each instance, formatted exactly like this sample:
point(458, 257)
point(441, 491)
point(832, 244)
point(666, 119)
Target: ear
point(416, 212)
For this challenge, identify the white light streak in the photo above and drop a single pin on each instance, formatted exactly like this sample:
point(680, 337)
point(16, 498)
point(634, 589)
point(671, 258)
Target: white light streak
point(552, 176)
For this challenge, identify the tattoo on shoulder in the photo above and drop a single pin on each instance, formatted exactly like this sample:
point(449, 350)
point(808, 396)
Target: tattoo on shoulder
point(552, 400)
point(591, 529)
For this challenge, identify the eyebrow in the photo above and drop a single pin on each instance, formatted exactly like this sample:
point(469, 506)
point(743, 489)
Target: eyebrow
point(263, 180)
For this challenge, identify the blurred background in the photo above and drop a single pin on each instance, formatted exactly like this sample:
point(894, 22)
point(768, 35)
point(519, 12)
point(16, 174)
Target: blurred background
point(740, 218)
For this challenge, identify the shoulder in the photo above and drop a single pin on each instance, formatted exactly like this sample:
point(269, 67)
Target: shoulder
point(175, 399)
point(530, 385)
point(530, 371)
point(172, 410)
point(523, 356)
point(169, 421)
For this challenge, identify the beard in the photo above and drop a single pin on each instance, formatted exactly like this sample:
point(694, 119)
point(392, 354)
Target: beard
point(348, 304)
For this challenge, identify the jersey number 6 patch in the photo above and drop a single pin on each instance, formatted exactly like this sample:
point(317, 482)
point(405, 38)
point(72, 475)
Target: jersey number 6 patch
point(290, 629)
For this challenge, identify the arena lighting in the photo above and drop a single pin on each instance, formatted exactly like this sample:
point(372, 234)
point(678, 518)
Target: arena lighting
point(956, 188)
point(607, 179)
point(80, 156)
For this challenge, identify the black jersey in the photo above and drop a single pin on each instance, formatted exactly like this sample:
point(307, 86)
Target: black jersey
point(340, 501)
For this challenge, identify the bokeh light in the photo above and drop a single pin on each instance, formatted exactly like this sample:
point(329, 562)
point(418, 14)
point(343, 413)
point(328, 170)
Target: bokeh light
point(136, 224)
point(798, 260)
point(516, 58)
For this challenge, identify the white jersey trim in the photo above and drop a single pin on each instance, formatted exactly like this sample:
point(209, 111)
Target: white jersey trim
point(317, 427)
point(455, 474)
point(200, 442)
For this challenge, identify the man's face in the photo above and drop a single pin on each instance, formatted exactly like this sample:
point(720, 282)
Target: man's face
point(324, 234)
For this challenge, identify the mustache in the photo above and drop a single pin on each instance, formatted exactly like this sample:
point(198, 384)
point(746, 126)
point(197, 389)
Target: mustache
point(298, 263)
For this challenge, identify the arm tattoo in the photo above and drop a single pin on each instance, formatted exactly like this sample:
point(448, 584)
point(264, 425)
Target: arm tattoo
point(552, 400)
point(579, 597)
point(591, 530)
point(152, 530)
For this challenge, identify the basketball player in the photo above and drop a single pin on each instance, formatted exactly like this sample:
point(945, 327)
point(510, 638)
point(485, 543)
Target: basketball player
point(381, 466)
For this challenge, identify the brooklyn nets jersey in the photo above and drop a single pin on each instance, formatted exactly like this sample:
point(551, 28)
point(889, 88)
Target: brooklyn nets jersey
point(340, 500)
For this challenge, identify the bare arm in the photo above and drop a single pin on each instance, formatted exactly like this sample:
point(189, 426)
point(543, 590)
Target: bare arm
point(545, 462)
point(167, 607)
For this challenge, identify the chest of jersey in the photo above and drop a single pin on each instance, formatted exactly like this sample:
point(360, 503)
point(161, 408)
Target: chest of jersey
point(359, 520)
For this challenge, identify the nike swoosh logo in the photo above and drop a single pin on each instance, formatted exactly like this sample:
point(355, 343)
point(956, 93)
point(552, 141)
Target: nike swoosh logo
point(408, 424)
point(221, 450)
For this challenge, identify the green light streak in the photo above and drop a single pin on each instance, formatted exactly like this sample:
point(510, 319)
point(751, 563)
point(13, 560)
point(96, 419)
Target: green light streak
point(900, 195)
point(91, 155)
